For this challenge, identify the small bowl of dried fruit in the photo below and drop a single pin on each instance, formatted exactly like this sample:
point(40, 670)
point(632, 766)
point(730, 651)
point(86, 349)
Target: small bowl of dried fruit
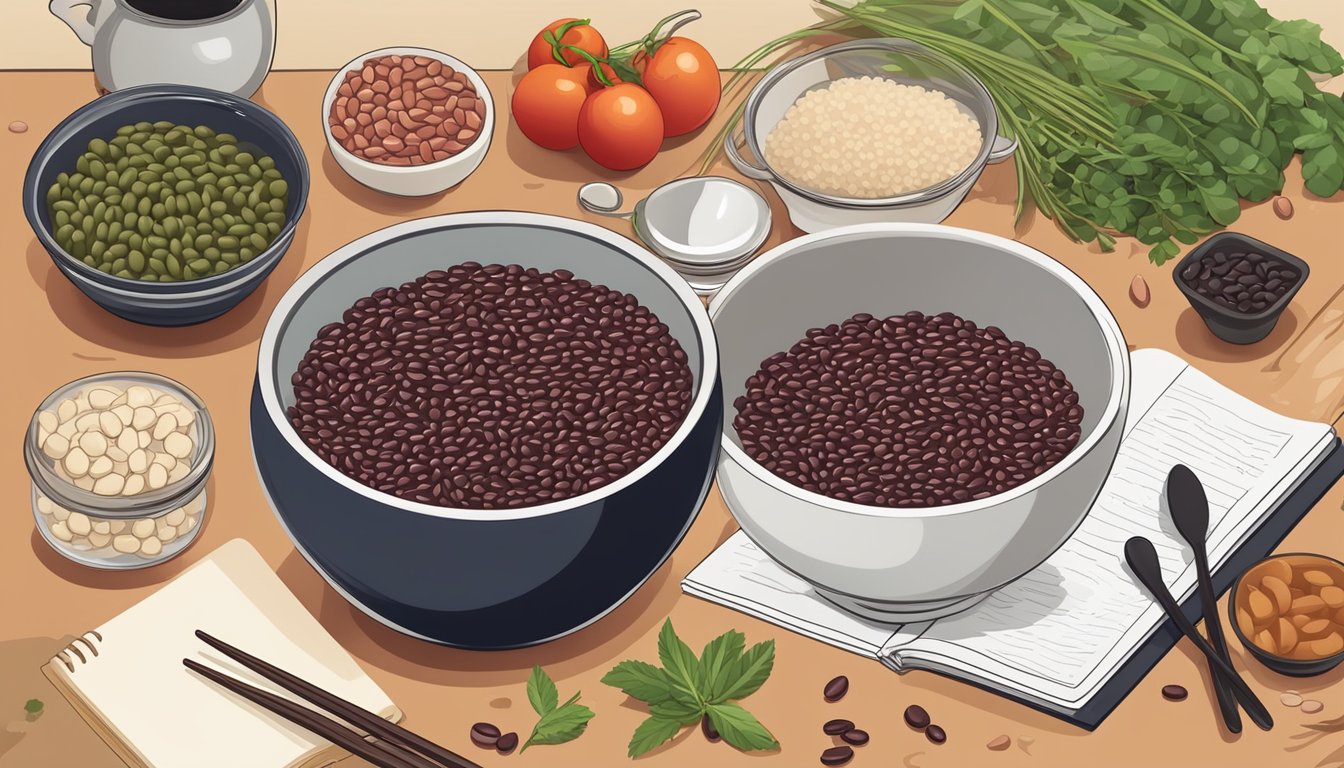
point(1288, 610)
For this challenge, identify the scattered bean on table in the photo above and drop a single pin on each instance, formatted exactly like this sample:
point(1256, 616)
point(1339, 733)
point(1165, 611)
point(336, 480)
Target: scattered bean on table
point(836, 689)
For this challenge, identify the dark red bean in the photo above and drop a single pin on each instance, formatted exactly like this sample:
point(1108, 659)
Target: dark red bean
point(485, 735)
point(507, 743)
point(916, 717)
point(837, 727)
point(856, 737)
point(936, 734)
point(491, 387)
point(707, 727)
point(908, 411)
point(836, 689)
point(1174, 692)
point(837, 756)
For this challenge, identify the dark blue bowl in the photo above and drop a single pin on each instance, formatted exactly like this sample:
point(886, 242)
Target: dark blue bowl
point(472, 578)
point(180, 303)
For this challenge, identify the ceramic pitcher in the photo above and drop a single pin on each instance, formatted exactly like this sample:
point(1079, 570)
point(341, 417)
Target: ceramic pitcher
point(222, 44)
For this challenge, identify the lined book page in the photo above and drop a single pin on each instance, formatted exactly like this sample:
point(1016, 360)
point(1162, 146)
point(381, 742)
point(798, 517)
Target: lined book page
point(1058, 633)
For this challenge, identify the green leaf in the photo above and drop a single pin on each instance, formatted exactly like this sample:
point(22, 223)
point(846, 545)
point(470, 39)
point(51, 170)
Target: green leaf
point(717, 658)
point(541, 692)
point(747, 674)
point(678, 660)
point(640, 680)
point(682, 710)
point(740, 728)
point(651, 733)
point(34, 706)
point(560, 725)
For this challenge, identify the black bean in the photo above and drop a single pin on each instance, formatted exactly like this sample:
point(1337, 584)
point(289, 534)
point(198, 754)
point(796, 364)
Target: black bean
point(856, 737)
point(867, 410)
point(936, 734)
point(1174, 692)
point(447, 392)
point(836, 689)
point(485, 735)
point(837, 756)
point(916, 717)
point(1253, 281)
point(507, 743)
point(707, 727)
point(837, 726)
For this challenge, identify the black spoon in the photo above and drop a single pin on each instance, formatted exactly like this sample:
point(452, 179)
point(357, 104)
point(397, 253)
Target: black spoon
point(1189, 509)
point(1142, 559)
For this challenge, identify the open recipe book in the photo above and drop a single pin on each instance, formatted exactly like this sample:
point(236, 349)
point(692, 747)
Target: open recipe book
point(1073, 636)
point(127, 680)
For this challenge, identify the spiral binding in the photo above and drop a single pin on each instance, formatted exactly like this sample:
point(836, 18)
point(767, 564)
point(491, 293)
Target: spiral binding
point(73, 649)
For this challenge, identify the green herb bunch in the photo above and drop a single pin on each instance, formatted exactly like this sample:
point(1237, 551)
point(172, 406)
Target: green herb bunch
point(1148, 118)
point(687, 689)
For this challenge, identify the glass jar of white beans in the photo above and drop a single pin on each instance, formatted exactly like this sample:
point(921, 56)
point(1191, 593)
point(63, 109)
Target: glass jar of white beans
point(119, 463)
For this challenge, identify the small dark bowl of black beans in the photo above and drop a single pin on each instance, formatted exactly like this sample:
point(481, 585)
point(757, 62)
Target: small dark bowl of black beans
point(167, 205)
point(487, 430)
point(1239, 285)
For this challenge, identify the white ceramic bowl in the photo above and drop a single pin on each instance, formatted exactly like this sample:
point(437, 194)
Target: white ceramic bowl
point(909, 564)
point(412, 180)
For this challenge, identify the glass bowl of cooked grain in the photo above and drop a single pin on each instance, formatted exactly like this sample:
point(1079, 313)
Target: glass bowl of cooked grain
point(879, 130)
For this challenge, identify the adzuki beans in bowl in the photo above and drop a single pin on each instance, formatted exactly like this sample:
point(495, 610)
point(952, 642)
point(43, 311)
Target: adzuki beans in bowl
point(491, 387)
point(406, 110)
point(912, 410)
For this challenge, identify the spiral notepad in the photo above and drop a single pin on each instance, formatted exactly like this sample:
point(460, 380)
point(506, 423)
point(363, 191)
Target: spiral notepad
point(127, 680)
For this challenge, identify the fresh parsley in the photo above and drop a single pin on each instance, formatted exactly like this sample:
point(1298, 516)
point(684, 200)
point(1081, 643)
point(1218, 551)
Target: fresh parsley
point(33, 707)
point(686, 689)
point(559, 723)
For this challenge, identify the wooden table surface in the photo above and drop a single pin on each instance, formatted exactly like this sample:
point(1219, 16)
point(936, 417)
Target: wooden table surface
point(56, 335)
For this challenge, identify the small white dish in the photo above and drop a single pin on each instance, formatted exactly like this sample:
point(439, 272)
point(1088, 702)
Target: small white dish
point(705, 227)
point(411, 180)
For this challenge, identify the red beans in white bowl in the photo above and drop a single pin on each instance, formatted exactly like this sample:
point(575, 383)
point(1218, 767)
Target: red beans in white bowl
point(923, 413)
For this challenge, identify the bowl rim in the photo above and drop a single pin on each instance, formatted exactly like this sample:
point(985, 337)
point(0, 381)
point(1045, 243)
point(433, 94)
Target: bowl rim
point(316, 274)
point(989, 128)
point(34, 198)
point(1269, 658)
point(477, 147)
point(1117, 354)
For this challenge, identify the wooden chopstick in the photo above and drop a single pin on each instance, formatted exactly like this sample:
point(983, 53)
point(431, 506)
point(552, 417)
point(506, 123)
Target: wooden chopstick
point(351, 713)
point(381, 754)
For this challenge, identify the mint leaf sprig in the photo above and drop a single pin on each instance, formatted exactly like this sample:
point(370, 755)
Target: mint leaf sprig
point(559, 723)
point(686, 689)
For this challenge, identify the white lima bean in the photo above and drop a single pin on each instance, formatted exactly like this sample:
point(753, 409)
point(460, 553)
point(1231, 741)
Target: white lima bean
point(84, 533)
point(117, 441)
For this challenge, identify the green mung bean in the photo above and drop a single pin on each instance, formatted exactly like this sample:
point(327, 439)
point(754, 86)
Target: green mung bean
point(165, 202)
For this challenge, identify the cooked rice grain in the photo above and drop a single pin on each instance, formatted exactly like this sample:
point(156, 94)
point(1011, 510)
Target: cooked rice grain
point(870, 137)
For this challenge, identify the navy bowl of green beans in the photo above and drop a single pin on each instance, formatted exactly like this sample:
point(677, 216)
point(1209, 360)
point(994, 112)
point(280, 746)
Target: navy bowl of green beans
point(167, 205)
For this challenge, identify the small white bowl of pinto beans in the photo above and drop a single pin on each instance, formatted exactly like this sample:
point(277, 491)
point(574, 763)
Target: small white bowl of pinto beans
point(408, 121)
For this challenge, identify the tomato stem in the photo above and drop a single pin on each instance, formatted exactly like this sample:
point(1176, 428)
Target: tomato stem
point(594, 62)
point(656, 37)
point(555, 37)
